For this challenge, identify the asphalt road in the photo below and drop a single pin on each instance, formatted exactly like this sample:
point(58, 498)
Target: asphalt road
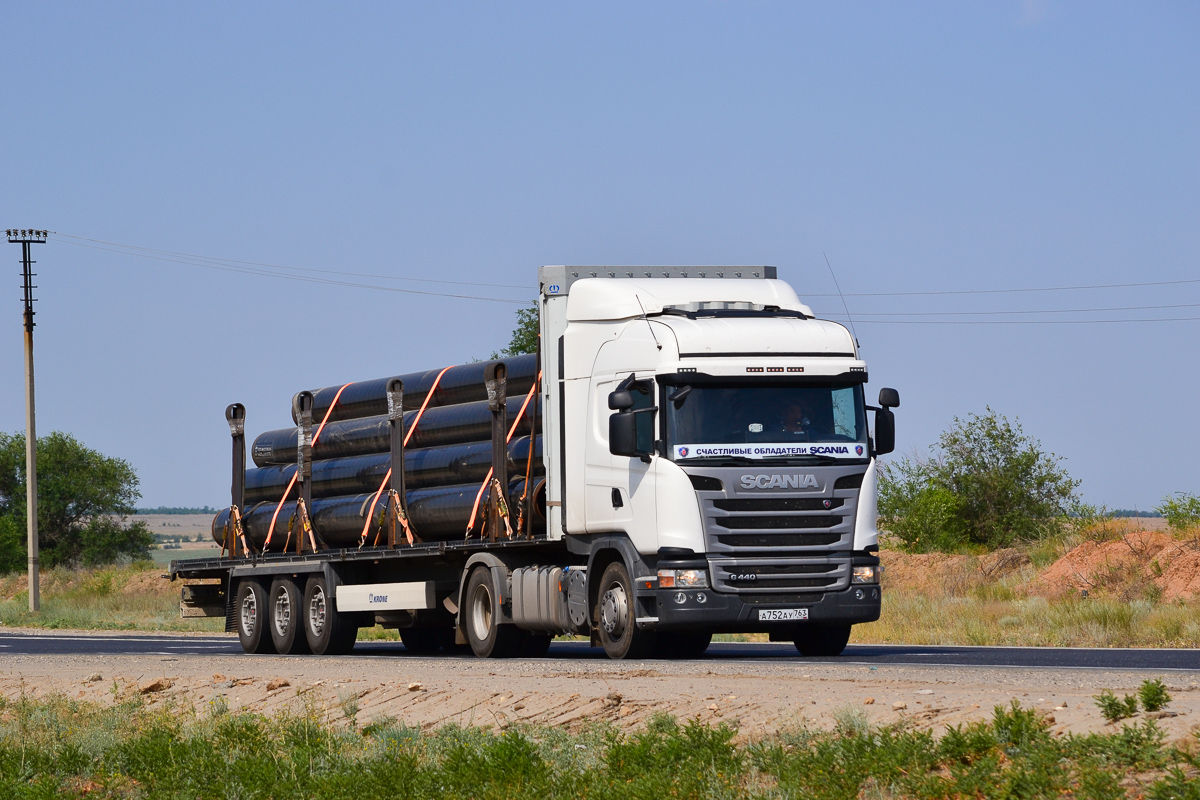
point(12, 644)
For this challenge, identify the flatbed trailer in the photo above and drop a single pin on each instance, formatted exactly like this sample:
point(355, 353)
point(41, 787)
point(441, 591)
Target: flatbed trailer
point(707, 469)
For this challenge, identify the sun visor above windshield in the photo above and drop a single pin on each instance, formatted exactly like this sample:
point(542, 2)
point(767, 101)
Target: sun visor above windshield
point(597, 299)
point(778, 337)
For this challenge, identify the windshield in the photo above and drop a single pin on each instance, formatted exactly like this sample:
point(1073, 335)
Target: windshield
point(794, 422)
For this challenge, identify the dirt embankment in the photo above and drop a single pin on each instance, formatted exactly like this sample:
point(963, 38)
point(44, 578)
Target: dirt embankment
point(1121, 559)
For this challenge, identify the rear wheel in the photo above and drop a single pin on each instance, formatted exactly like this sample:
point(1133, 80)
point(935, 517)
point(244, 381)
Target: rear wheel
point(287, 630)
point(487, 637)
point(683, 644)
point(251, 608)
point(619, 634)
point(327, 631)
point(822, 640)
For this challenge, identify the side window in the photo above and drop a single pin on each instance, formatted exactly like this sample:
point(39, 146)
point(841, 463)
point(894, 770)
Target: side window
point(844, 416)
point(643, 397)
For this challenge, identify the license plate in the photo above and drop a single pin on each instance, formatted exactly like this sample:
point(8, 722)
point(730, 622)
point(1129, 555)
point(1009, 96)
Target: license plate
point(781, 614)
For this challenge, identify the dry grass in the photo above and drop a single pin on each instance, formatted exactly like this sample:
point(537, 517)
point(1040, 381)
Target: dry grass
point(1109, 586)
point(133, 597)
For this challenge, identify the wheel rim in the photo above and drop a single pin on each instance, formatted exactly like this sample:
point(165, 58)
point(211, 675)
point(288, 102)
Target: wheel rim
point(316, 612)
point(614, 611)
point(283, 613)
point(249, 613)
point(481, 612)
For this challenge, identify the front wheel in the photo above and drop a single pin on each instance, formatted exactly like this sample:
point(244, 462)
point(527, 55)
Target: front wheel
point(822, 640)
point(619, 634)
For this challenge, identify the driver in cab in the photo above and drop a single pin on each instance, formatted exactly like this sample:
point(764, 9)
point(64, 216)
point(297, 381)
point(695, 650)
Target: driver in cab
point(799, 423)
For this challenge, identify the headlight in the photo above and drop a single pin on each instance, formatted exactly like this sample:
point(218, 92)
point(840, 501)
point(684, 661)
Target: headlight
point(865, 574)
point(683, 578)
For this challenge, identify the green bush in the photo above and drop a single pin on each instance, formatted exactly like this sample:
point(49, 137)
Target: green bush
point(1182, 511)
point(12, 545)
point(1115, 710)
point(1154, 695)
point(985, 484)
point(84, 497)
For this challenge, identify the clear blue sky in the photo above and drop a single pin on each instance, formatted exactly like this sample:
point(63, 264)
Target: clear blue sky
point(923, 147)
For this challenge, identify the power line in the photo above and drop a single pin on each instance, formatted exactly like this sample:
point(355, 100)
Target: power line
point(193, 262)
point(1019, 321)
point(218, 260)
point(1013, 291)
point(862, 314)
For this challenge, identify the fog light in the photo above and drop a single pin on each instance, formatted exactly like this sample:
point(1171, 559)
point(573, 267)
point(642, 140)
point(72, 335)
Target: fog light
point(865, 574)
point(683, 578)
point(680, 597)
point(701, 597)
point(859, 594)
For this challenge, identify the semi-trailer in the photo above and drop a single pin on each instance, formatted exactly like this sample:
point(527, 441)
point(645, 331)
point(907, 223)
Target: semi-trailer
point(688, 453)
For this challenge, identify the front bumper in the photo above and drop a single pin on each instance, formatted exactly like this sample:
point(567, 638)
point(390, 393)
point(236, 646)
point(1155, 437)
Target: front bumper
point(723, 612)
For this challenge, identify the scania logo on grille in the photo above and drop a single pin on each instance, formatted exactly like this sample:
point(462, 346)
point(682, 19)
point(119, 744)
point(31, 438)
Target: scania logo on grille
point(779, 482)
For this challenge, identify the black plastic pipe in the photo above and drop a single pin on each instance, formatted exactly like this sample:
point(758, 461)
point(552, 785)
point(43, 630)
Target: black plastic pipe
point(438, 513)
point(465, 422)
point(435, 466)
point(462, 383)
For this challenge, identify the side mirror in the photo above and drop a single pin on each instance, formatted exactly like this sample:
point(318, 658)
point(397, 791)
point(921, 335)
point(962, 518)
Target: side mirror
point(889, 398)
point(622, 432)
point(620, 400)
point(885, 429)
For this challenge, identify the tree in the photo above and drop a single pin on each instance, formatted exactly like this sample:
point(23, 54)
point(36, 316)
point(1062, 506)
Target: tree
point(84, 498)
point(1181, 511)
point(985, 483)
point(524, 336)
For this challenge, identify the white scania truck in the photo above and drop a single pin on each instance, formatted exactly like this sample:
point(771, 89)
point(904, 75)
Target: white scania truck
point(708, 468)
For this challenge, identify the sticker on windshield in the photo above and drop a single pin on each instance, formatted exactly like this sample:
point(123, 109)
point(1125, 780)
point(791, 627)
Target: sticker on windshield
point(768, 450)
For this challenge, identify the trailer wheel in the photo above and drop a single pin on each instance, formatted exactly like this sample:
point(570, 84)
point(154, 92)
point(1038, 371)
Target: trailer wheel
point(683, 644)
point(251, 609)
point(619, 633)
point(327, 631)
point(822, 640)
point(287, 630)
point(487, 637)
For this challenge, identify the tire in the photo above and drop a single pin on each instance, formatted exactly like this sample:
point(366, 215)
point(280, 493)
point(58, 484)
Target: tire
point(822, 640)
point(327, 632)
point(422, 641)
point(535, 645)
point(251, 610)
point(619, 634)
point(683, 644)
point(287, 632)
point(487, 637)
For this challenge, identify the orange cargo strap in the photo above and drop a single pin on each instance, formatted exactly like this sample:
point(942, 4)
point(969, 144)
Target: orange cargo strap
point(387, 477)
point(507, 439)
point(292, 482)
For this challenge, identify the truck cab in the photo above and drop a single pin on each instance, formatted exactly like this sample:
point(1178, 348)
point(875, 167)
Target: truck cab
point(708, 452)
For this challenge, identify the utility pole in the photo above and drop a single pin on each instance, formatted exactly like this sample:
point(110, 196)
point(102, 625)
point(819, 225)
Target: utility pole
point(27, 238)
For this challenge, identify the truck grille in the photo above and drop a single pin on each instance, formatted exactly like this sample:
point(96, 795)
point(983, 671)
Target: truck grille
point(777, 575)
point(797, 523)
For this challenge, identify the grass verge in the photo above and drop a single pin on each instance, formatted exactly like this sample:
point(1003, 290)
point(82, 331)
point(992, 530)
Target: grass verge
point(57, 747)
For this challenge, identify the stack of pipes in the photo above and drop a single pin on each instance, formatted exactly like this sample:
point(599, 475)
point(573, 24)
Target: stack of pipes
point(446, 460)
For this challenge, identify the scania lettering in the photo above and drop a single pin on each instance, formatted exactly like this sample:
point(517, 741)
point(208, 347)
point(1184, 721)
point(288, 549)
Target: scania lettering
point(689, 452)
